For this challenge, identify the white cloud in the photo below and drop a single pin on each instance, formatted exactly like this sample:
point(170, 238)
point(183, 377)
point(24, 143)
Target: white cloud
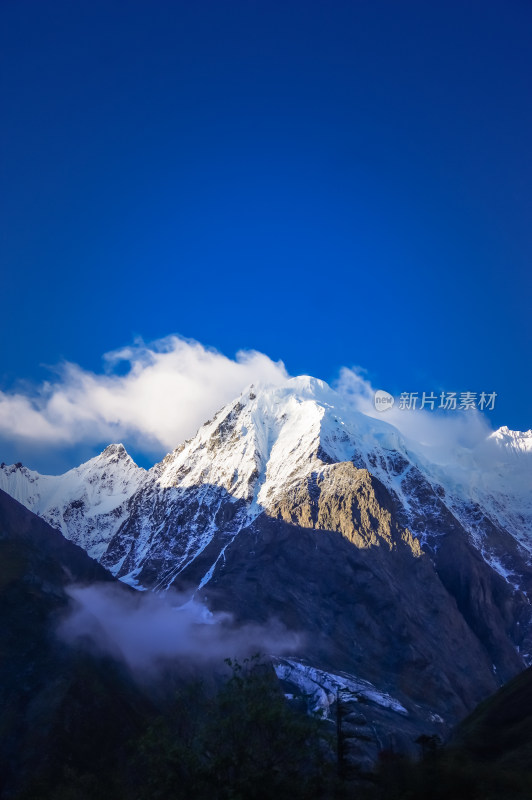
point(171, 387)
point(147, 630)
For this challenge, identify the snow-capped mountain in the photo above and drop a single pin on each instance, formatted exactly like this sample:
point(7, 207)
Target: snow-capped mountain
point(404, 568)
point(252, 454)
point(87, 504)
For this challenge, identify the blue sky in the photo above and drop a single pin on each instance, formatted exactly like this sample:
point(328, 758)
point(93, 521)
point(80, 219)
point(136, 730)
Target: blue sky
point(331, 184)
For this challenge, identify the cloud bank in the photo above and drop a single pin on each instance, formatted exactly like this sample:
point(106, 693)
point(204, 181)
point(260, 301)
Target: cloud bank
point(439, 436)
point(154, 396)
point(148, 631)
point(168, 391)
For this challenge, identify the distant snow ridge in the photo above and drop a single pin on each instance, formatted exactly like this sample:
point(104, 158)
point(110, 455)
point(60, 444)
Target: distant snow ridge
point(150, 526)
point(87, 504)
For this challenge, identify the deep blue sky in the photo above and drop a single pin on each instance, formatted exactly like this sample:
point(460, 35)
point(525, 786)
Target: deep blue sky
point(343, 183)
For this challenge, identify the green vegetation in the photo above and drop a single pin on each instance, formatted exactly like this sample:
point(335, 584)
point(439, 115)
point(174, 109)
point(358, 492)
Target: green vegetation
point(238, 739)
point(244, 741)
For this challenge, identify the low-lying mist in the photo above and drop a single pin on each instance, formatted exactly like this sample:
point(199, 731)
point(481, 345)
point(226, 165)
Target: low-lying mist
point(149, 631)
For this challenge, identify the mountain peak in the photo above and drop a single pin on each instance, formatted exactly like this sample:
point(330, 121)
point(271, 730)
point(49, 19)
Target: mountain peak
point(303, 385)
point(515, 440)
point(115, 450)
point(306, 384)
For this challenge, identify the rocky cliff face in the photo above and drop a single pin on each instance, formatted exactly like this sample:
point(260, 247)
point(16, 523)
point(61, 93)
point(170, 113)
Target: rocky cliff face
point(398, 571)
